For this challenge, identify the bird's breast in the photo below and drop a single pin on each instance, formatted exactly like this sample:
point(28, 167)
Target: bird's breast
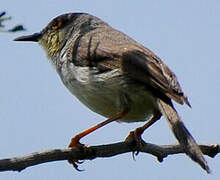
point(103, 92)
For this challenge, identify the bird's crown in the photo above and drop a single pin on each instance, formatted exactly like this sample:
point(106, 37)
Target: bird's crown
point(55, 35)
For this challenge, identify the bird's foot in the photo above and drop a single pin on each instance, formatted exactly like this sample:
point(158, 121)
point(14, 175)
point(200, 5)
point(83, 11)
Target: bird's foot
point(135, 136)
point(76, 144)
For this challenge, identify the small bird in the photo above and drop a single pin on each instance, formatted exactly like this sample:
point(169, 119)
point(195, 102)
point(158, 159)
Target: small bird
point(115, 76)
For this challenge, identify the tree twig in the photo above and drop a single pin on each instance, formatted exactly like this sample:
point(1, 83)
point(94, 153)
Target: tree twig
point(4, 17)
point(160, 151)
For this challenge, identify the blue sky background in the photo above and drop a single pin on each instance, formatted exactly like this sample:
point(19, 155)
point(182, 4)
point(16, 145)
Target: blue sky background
point(37, 112)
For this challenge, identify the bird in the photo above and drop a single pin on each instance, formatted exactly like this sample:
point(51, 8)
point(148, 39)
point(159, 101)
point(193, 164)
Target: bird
point(114, 76)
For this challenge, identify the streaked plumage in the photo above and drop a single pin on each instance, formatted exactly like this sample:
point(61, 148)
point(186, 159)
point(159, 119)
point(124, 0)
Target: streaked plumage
point(110, 73)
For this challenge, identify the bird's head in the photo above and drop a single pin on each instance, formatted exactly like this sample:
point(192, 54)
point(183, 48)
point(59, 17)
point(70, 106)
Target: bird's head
point(54, 36)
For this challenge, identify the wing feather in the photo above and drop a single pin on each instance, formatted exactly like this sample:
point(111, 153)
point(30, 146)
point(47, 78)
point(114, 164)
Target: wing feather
point(137, 62)
point(155, 72)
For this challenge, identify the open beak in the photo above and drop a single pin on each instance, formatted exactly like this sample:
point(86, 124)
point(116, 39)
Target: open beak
point(34, 37)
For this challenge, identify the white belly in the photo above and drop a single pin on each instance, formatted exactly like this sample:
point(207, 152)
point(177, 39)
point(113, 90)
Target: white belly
point(102, 92)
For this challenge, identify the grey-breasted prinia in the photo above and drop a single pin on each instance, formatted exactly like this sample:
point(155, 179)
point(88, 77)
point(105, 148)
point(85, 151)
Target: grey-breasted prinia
point(115, 76)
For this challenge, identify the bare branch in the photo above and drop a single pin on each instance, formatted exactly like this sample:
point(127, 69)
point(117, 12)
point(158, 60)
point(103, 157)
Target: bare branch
point(160, 151)
point(5, 17)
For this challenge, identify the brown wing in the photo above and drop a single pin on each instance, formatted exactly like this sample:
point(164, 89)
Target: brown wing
point(138, 62)
point(145, 66)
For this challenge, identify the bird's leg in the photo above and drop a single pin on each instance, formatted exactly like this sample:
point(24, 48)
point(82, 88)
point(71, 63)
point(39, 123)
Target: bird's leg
point(136, 134)
point(75, 140)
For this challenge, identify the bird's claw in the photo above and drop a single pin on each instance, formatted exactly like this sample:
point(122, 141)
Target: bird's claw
point(75, 164)
point(135, 136)
point(76, 144)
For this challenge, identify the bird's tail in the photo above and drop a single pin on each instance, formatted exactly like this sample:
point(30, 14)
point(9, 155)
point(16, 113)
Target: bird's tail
point(184, 137)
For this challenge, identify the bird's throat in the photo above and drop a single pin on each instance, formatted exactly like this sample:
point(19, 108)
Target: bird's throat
point(51, 45)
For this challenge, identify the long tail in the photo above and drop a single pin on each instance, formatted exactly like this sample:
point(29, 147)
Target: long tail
point(184, 137)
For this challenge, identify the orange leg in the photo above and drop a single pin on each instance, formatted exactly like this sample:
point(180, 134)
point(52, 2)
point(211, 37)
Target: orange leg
point(139, 131)
point(75, 140)
point(136, 134)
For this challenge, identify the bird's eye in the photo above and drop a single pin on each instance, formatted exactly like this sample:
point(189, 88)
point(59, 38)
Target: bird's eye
point(57, 24)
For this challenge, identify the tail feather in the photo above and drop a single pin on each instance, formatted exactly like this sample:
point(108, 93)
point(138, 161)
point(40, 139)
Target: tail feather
point(184, 137)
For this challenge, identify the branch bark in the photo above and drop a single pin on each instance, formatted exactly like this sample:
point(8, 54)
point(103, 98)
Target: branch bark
point(160, 151)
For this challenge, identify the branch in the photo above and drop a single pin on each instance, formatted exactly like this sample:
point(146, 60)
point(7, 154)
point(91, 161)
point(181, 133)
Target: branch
point(160, 151)
point(4, 17)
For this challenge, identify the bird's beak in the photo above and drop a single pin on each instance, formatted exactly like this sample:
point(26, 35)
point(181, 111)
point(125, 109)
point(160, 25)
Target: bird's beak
point(34, 37)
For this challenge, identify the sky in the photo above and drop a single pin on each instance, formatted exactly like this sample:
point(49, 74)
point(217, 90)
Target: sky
point(38, 113)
